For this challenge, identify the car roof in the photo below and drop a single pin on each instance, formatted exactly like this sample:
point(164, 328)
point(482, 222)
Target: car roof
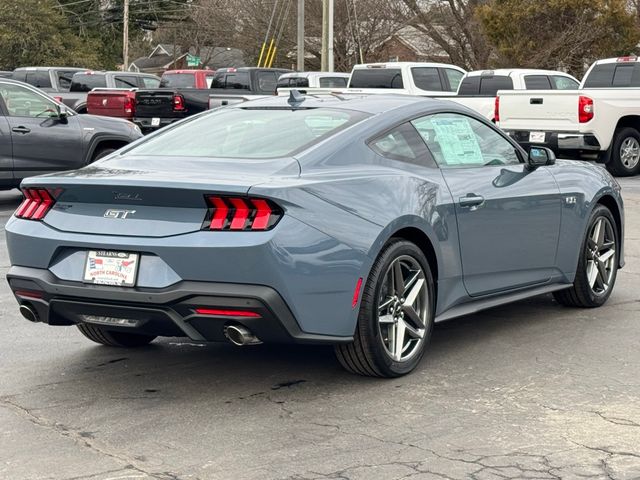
point(364, 66)
point(314, 74)
point(367, 103)
point(21, 69)
point(622, 59)
point(513, 71)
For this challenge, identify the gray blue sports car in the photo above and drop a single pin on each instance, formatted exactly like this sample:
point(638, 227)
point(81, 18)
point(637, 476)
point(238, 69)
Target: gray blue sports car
point(355, 221)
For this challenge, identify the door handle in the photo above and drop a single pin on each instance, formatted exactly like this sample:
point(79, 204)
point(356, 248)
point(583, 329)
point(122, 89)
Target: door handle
point(471, 200)
point(21, 129)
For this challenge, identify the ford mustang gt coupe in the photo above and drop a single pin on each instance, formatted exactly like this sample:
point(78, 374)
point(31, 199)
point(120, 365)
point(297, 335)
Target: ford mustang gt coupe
point(350, 220)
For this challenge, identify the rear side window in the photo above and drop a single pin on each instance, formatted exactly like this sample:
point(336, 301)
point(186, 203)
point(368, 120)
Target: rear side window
point(537, 82)
point(236, 80)
point(490, 85)
point(614, 75)
point(376, 78)
point(427, 78)
point(564, 83)
point(39, 79)
point(454, 77)
point(150, 82)
point(249, 133)
point(470, 86)
point(333, 82)
point(403, 144)
point(85, 82)
point(267, 82)
point(126, 82)
point(64, 79)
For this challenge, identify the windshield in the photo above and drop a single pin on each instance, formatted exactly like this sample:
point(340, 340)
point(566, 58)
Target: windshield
point(184, 80)
point(249, 133)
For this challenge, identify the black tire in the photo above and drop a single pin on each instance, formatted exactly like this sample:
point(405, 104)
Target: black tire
point(581, 294)
point(104, 336)
point(367, 355)
point(101, 153)
point(616, 165)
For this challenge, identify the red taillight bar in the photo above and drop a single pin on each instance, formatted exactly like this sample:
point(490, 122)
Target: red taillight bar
point(227, 313)
point(240, 213)
point(178, 103)
point(37, 203)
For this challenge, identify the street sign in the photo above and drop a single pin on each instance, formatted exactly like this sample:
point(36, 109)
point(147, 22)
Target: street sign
point(193, 60)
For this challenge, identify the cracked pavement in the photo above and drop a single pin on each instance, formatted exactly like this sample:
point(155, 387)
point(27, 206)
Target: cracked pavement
point(530, 390)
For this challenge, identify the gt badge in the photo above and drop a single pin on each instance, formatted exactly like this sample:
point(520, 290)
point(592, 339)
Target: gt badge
point(121, 214)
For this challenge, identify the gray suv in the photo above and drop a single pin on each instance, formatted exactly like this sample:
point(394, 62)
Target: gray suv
point(39, 135)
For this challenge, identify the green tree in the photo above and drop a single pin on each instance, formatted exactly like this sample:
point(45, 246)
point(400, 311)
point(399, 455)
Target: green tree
point(35, 32)
point(566, 34)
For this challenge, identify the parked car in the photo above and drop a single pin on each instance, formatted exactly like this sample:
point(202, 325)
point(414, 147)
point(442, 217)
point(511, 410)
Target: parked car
point(478, 90)
point(356, 222)
point(303, 80)
point(83, 82)
point(50, 79)
point(187, 79)
point(42, 135)
point(4, 74)
point(406, 77)
point(600, 120)
point(161, 107)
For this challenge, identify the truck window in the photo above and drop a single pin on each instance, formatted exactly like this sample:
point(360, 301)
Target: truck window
point(537, 82)
point(85, 82)
point(601, 76)
point(490, 85)
point(20, 76)
point(333, 82)
point(267, 82)
point(470, 86)
point(427, 78)
point(613, 75)
point(150, 82)
point(300, 82)
point(622, 76)
point(178, 80)
point(376, 78)
point(236, 80)
point(564, 83)
point(126, 81)
point(454, 77)
point(64, 79)
point(39, 79)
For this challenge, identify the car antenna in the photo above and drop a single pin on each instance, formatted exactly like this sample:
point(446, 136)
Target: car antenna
point(295, 98)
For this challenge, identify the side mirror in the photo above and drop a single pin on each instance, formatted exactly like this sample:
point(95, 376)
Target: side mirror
point(61, 112)
point(540, 156)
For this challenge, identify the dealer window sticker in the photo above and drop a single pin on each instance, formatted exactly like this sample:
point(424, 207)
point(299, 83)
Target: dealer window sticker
point(457, 140)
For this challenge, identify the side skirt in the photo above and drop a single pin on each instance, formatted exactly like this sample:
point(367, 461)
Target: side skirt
point(496, 300)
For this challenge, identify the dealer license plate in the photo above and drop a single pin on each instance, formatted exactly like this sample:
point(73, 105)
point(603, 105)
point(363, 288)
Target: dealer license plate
point(106, 267)
point(536, 137)
point(155, 122)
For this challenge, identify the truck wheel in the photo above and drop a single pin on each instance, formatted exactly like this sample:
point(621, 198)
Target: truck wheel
point(625, 153)
point(99, 334)
point(102, 152)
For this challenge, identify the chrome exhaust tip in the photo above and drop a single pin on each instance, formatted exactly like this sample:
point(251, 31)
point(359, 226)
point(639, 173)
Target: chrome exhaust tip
point(240, 336)
point(29, 313)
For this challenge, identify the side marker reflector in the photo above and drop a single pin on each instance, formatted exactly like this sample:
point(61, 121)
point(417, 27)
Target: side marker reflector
point(356, 293)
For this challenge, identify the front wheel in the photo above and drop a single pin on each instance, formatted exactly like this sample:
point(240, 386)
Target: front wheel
point(597, 265)
point(625, 153)
point(396, 314)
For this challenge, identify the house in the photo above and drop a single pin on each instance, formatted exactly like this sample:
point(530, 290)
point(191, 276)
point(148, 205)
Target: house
point(169, 57)
point(409, 45)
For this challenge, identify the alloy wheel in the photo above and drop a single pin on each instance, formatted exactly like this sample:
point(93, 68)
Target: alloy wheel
point(403, 308)
point(601, 256)
point(630, 152)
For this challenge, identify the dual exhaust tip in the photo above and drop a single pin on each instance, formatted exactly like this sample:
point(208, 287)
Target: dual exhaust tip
point(240, 336)
point(29, 313)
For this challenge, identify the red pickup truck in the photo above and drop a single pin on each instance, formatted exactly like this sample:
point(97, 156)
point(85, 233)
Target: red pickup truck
point(121, 103)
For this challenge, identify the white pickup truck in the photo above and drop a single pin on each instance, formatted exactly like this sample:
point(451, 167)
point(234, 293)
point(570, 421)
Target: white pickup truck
point(478, 89)
point(601, 120)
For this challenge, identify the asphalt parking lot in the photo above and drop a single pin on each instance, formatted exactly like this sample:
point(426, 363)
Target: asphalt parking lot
point(530, 390)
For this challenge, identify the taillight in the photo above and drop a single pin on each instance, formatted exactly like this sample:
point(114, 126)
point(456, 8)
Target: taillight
point(178, 103)
point(129, 106)
point(585, 109)
point(240, 213)
point(36, 204)
point(496, 110)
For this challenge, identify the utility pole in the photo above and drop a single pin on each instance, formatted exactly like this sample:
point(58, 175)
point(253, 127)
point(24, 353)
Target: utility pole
point(327, 35)
point(125, 37)
point(301, 49)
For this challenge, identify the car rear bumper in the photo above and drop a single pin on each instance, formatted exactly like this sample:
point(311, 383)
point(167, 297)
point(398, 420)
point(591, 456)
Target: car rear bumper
point(169, 311)
point(558, 141)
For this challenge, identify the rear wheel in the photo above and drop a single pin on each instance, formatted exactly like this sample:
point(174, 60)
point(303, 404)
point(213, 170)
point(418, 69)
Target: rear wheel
point(625, 153)
point(598, 263)
point(100, 334)
point(396, 314)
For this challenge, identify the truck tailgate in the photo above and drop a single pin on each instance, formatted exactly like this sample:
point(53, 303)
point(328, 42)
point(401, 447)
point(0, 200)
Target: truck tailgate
point(155, 103)
point(110, 103)
point(542, 110)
